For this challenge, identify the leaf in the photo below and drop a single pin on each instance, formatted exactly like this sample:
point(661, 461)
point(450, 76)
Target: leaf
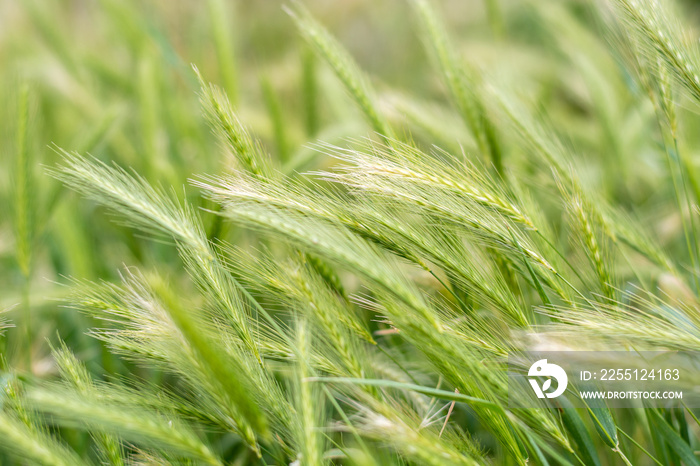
point(577, 430)
point(603, 421)
point(672, 439)
point(538, 445)
point(679, 415)
point(443, 394)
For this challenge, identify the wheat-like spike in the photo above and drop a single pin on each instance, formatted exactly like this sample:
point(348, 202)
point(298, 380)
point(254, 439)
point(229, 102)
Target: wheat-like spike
point(462, 83)
point(131, 196)
point(254, 157)
point(151, 211)
point(370, 220)
point(309, 402)
point(27, 444)
point(338, 245)
point(323, 205)
point(144, 329)
point(219, 112)
point(442, 249)
point(472, 218)
point(14, 391)
point(408, 163)
point(586, 225)
point(77, 375)
point(345, 68)
point(4, 325)
point(645, 322)
point(666, 101)
point(140, 426)
point(659, 32)
point(327, 273)
point(423, 445)
point(467, 345)
point(229, 373)
point(333, 312)
point(616, 224)
point(658, 49)
point(299, 287)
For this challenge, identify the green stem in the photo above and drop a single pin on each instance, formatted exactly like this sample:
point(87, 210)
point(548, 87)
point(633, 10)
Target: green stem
point(622, 455)
point(26, 346)
point(639, 446)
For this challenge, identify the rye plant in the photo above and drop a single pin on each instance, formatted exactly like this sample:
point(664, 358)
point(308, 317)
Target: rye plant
point(348, 292)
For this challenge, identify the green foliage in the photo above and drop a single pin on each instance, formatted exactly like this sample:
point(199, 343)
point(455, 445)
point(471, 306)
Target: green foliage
point(361, 312)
